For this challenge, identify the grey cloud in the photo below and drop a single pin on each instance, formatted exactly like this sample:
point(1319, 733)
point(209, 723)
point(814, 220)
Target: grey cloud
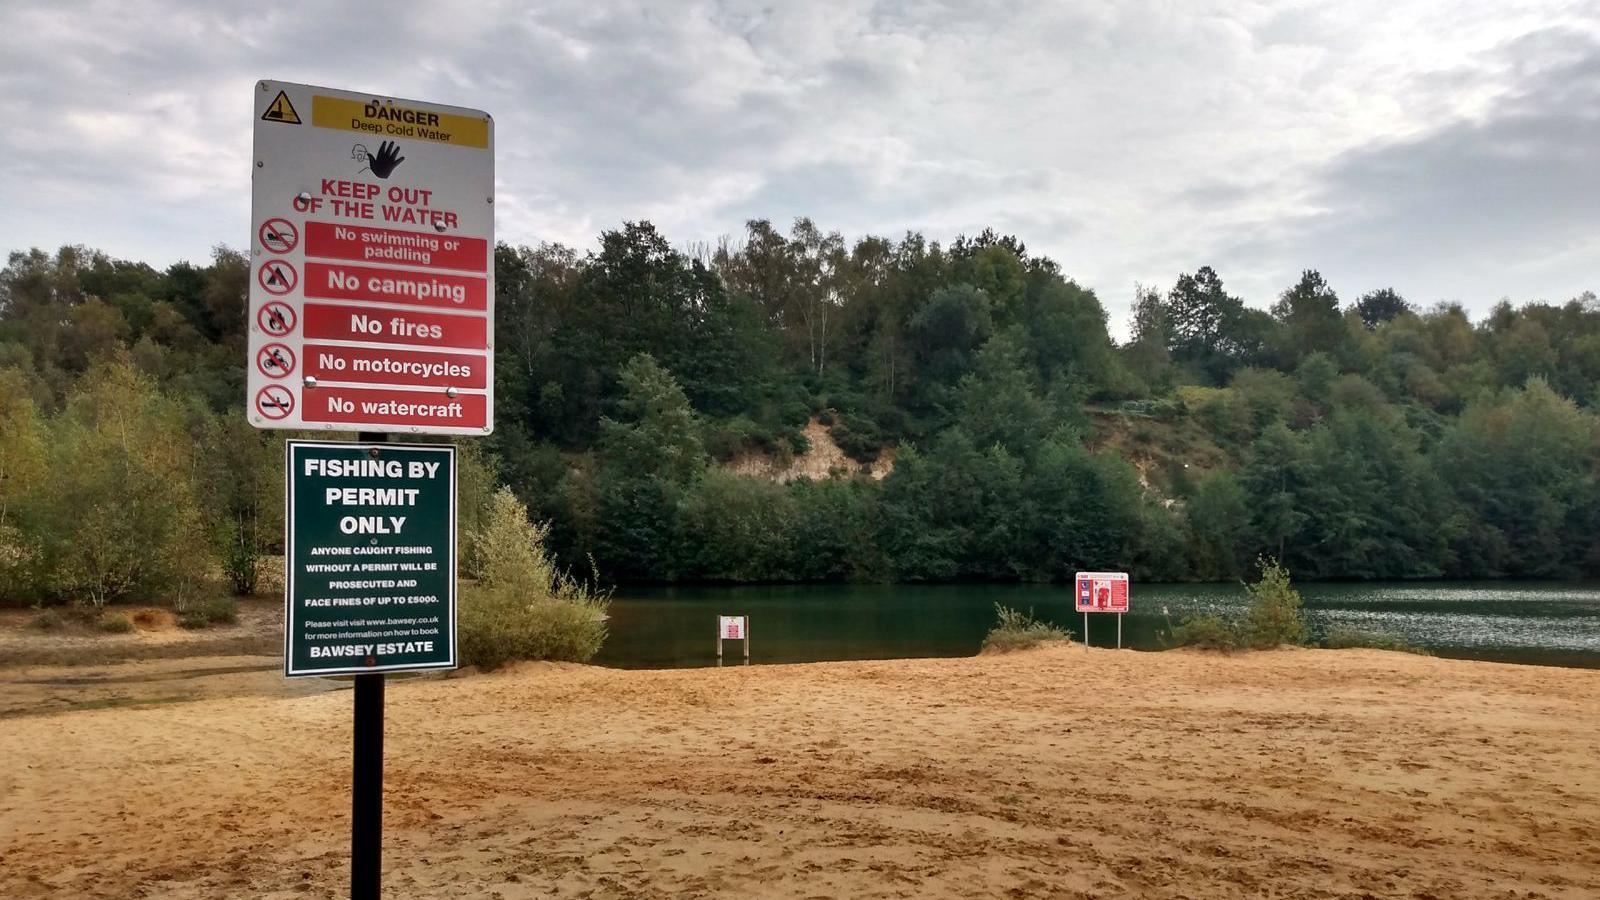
point(1480, 209)
point(1130, 140)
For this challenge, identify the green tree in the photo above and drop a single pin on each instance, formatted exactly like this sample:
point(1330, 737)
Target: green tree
point(1523, 465)
point(1310, 319)
point(122, 488)
point(1220, 532)
point(1380, 306)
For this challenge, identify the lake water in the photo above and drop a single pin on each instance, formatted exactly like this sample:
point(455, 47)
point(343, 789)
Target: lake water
point(1527, 622)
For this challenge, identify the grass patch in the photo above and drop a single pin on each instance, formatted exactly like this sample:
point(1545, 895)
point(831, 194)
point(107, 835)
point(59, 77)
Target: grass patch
point(51, 620)
point(1345, 638)
point(1018, 630)
point(220, 610)
point(114, 623)
point(1211, 632)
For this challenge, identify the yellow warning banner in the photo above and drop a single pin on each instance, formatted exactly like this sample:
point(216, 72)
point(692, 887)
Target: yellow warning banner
point(395, 121)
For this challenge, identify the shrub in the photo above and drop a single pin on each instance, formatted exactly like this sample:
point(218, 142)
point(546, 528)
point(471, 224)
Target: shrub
point(499, 625)
point(1017, 630)
point(208, 612)
point(1274, 618)
point(1275, 615)
point(49, 620)
point(858, 436)
point(114, 623)
point(1206, 633)
point(1345, 638)
point(522, 607)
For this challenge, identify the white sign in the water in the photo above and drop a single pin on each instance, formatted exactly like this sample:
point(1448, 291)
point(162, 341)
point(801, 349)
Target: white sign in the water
point(733, 628)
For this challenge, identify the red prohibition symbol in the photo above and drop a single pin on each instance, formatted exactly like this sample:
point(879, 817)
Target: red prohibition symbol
point(276, 319)
point(274, 401)
point(279, 235)
point(277, 277)
point(275, 361)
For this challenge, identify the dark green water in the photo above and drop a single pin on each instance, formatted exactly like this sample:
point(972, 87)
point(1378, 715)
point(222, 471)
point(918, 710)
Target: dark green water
point(1527, 622)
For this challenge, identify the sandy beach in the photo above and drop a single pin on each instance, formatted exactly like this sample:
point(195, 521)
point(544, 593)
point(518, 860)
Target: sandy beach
point(1294, 773)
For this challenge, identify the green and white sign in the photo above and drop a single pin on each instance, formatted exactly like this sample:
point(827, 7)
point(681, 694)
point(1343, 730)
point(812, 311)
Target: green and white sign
point(371, 556)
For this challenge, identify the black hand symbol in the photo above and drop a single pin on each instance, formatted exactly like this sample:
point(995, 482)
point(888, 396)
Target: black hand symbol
point(388, 157)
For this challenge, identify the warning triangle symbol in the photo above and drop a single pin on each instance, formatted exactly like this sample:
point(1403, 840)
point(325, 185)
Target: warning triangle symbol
point(281, 110)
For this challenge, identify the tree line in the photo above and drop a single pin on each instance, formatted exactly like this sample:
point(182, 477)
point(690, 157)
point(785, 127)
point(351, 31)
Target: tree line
point(1369, 438)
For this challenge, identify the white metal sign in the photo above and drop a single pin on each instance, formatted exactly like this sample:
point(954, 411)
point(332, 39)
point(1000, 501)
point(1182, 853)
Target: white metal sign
point(733, 628)
point(372, 255)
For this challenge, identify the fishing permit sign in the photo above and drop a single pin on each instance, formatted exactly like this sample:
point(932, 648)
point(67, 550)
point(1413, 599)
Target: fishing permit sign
point(371, 556)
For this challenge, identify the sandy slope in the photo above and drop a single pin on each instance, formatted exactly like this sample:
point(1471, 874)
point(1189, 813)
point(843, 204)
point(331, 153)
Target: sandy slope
point(1051, 773)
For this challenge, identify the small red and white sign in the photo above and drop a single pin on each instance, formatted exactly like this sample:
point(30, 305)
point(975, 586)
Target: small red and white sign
point(372, 308)
point(276, 319)
point(1102, 591)
point(274, 402)
point(278, 235)
point(343, 281)
point(393, 326)
point(275, 361)
point(733, 628)
point(385, 365)
point(397, 409)
point(367, 244)
point(277, 277)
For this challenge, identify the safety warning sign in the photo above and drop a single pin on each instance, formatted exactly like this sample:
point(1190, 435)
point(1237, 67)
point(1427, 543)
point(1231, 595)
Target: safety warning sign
point(372, 305)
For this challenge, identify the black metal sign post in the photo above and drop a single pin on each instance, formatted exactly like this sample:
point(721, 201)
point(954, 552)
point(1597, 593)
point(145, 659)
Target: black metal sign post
point(371, 562)
point(366, 776)
point(366, 791)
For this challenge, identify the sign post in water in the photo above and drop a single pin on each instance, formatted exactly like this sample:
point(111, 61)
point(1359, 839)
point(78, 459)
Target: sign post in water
point(733, 628)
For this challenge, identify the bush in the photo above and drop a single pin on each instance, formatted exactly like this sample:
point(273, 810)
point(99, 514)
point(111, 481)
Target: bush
point(1017, 630)
point(1345, 638)
point(499, 626)
point(1275, 615)
point(49, 620)
point(212, 611)
point(1206, 633)
point(114, 623)
point(858, 436)
point(522, 607)
point(1274, 618)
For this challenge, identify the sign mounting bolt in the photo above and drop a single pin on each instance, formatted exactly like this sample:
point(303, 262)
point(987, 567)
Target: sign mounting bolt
point(450, 392)
point(303, 197)
point(311, 381)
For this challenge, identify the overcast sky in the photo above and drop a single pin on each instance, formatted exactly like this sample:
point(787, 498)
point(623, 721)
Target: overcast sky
point(1450, 149)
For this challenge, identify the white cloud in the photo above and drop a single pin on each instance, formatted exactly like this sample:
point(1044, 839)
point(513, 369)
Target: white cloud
point(1130, 141)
